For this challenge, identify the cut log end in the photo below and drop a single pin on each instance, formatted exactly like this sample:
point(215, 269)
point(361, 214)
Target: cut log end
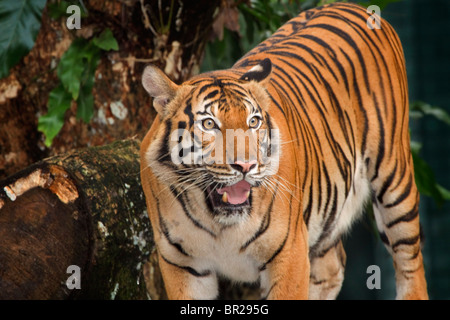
point(40, 232)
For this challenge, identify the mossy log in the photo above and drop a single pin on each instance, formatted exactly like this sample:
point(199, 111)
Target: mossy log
point(86, 209)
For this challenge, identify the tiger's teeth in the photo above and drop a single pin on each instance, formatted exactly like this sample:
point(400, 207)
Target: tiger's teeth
point(225, 197)
point(247, 195)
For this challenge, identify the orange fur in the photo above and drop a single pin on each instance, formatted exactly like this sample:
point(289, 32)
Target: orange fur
point(336, 91)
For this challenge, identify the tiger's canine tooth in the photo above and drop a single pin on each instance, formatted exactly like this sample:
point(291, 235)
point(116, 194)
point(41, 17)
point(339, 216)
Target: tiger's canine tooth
point(225, 197)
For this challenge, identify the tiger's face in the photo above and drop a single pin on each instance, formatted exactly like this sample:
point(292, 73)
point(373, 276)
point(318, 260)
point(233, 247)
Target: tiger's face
point(218, 138)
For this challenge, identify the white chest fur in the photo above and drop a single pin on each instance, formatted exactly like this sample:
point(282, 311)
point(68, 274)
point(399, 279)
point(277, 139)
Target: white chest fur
point(220, 252)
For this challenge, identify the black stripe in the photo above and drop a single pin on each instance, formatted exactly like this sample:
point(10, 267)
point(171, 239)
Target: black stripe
point(188, 112)
point(270, 290)
point(415, 254)
point(166, 234)
point(394, 120)
point(264, 223)
point(188, 269)
point(328, 183)
point(406, 241)
point(410, 215)
point(352, 134)
point(387, 183)
point(317, 282)
point(181, 125)
point(280, 248)
point(164, 228)
point(319, 187)
point(326, 228)
point(211, 95)
point(384, 238)
point(163, 153)
point(307, 211)
point(381, 148)
point(323, 252)
point(332, 214)
point(181, 200)
point(406, 192)
point(206, 86)
point(291, 208)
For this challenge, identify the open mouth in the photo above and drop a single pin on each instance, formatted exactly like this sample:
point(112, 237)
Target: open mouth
point(234, 197)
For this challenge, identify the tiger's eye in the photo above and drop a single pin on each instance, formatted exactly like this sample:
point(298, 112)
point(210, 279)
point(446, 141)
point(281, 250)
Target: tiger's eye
point(254, 122)
point(208, 124)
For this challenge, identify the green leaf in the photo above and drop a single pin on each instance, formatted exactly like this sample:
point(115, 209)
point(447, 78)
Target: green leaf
point(58, 103)
point(380, 3)
point(106, 41)
point(425, 179)
point(85, 101)
point(71, 67)
point(427, 109)
point(415, 146)
point(57, 10)
point(444, 192)
point(20, 21)
point(85, 104)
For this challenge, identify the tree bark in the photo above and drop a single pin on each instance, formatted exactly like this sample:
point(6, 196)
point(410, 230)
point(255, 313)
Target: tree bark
point(85, 208)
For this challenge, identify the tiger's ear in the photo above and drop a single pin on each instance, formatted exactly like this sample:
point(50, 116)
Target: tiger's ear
point(259, 73)
point(159, 87)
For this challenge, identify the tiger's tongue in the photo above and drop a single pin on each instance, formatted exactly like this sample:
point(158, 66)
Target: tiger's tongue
point(237, 193)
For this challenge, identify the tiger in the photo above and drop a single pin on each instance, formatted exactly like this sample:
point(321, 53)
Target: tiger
point(255, 173)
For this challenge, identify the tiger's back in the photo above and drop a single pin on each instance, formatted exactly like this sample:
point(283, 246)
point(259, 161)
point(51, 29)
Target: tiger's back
point(337, 92)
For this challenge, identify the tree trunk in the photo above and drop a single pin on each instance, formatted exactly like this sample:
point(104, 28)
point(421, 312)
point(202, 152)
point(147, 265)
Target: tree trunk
point(84, 209)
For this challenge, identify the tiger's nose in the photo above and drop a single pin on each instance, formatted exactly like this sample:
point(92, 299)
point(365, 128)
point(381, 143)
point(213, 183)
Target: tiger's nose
point(244, 166)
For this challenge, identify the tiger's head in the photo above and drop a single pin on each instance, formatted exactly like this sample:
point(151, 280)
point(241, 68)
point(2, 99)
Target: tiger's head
point(215, 137)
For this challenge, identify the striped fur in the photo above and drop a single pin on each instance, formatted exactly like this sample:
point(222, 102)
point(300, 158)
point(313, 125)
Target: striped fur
point(337, 92)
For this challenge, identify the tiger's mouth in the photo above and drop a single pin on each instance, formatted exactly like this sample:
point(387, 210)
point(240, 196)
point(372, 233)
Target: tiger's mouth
point(230, 198)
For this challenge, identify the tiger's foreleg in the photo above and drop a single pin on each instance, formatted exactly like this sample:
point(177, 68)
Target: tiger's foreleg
point(327, 273)
point(184, 283)
point(286, 277)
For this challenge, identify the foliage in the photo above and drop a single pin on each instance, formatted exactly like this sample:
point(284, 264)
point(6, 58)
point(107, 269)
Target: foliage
point(420, 109)
point(424, 175)
point(76, 72)
point(58, 9)
point(380, 3)
point(257, 22)
point(20, 21)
